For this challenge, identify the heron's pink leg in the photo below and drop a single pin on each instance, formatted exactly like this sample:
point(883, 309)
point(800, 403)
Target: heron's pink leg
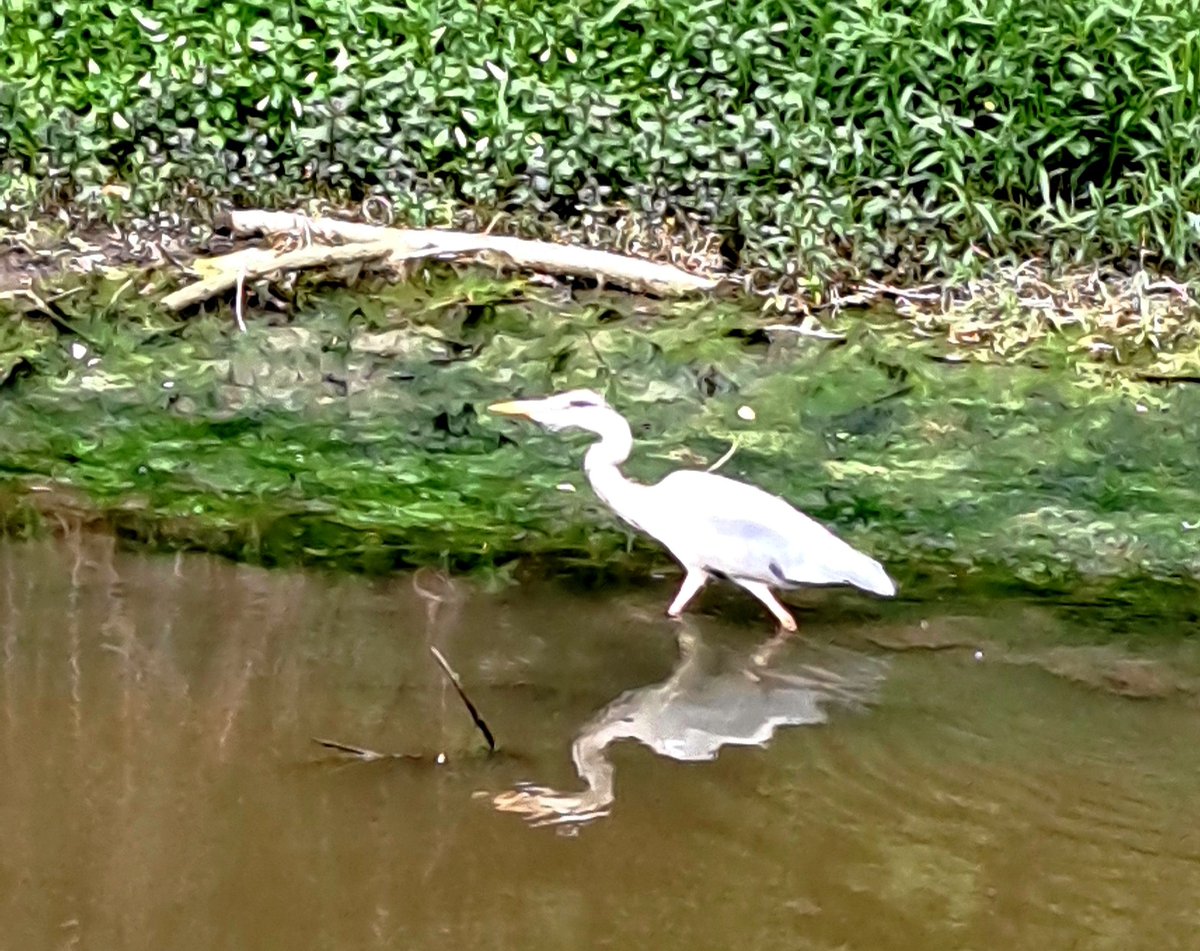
point(763, 593)
point(693, 581)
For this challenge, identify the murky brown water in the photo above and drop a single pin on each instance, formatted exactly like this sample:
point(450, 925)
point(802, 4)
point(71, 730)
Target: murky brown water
point(159, 787)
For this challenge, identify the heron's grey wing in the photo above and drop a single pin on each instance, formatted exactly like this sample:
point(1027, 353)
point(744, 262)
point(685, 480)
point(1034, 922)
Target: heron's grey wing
point(743, 532)
point(752, 550)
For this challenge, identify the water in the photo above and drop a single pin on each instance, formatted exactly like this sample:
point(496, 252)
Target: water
point(160, 787)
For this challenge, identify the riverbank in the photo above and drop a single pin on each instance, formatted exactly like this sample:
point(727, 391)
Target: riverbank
point(350, 431)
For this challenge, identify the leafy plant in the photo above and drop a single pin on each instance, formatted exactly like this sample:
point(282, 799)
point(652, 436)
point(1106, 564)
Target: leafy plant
point(881, 137)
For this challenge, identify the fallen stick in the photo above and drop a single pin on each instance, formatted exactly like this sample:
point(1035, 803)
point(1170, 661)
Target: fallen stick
point(544, 256)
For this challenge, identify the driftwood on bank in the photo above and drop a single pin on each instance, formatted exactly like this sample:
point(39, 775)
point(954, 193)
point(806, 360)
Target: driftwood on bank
point(343, 242)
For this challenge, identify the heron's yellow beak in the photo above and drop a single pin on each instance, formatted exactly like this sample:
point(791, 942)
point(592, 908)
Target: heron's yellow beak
point(511, 408)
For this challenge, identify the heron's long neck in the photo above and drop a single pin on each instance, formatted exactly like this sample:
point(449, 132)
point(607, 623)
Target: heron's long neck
point(603, 459)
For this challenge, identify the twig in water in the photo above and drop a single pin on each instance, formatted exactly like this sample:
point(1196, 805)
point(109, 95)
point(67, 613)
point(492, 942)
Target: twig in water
point(454, 679)
point(370, 756)
point(360, 752)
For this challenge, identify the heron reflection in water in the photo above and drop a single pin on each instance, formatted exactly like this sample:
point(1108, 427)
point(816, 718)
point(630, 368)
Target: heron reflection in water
point(712, 699)
point(714, 526)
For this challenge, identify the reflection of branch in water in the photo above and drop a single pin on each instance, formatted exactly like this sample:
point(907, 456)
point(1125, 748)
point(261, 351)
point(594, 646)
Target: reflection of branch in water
point(369, 755)
point(708, 702)
point(434, 599)
point(435, 589)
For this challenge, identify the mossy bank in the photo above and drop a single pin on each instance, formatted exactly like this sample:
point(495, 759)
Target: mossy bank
point(353, 434)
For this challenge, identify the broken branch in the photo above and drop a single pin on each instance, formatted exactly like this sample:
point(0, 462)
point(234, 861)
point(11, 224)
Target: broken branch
point(348, 241)
point(221, 273)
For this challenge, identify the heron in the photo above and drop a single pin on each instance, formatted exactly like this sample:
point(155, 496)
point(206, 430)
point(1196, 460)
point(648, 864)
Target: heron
point(712, 525)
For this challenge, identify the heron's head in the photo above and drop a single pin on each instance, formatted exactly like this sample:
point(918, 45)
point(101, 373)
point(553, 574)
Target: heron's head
point(579, 409)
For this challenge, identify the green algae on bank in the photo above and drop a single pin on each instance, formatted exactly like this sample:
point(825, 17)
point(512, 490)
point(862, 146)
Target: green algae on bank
point(353, 433)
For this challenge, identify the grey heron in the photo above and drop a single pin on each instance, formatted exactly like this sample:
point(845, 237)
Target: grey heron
point(711, 524)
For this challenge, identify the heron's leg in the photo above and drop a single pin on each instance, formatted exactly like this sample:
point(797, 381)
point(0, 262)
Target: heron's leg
point(693, 581)
point(763, 593)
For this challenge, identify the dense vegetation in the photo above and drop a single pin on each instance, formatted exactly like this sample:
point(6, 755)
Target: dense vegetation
point(888, 137)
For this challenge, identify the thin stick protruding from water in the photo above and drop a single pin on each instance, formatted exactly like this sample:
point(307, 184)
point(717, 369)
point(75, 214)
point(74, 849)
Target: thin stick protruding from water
point(454, 679)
